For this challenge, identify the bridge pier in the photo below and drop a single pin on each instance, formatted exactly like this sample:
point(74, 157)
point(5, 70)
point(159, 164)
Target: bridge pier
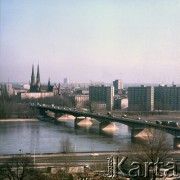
point(50, 114)
point(82, 122)
point(176, 143)
point(107, 126)
point(135, 132)
point(58, 115)
point(140, 132)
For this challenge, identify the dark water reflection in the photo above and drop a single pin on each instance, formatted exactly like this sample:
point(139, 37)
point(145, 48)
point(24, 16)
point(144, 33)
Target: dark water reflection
point(46, 137)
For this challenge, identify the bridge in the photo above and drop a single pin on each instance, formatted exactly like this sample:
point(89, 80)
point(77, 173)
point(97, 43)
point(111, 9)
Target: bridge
point(105, 120)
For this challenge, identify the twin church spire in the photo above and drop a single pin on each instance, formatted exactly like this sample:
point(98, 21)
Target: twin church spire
point(35, 85)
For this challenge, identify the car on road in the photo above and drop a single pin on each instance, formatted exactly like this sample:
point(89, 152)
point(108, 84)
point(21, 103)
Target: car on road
point(95, 154)
point(158, 122)
point(124, 116)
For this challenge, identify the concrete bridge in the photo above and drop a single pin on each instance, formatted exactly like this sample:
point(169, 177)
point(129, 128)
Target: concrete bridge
point(105, 120)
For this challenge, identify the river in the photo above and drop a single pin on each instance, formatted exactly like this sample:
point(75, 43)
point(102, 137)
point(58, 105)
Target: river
point(46, 137)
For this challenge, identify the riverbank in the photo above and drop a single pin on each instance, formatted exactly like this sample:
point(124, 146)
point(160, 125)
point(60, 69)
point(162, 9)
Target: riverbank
point(18, 120)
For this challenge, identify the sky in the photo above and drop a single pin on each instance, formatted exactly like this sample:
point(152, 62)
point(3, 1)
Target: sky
point(87, 41)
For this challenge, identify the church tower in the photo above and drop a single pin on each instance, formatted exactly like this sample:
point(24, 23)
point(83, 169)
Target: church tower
point(32, 86)
point(35, 85)
point(38, 84)
point(49, 83)
point(32, 76)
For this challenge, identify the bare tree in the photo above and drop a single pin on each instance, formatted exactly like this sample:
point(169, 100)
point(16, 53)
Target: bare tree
point(66, 145)
point(19, 168)
point(146, 155)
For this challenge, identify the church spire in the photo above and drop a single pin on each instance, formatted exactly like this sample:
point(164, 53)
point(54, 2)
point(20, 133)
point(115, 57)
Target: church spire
point(49, 83)
point(38, 84)
point(32, 76)
point(38, 76)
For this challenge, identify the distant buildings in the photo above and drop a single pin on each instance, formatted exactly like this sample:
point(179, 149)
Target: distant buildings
point(36, 89)
point(81, 100)
point(101, 97)
point(98, 96)
point(66, 82)
point(154, 98)
point(6, 90)
point(120, 102)
point(118, 86)
point(141, 98)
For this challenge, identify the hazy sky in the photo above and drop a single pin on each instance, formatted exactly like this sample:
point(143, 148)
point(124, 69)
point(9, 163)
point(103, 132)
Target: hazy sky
point(99, 40)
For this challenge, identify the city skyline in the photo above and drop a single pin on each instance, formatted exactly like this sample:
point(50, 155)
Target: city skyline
point(85, 41)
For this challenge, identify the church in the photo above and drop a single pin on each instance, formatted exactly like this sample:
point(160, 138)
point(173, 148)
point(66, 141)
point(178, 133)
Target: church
point(35, 85)
point(36, 89)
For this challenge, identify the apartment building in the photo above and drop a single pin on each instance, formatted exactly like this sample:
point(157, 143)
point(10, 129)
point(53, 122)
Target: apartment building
point(101, 96)
point(118, 86)
point(141, 98)
point(167, 98)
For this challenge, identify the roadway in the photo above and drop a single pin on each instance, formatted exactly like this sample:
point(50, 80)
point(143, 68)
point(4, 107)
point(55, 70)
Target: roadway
point(79, 158)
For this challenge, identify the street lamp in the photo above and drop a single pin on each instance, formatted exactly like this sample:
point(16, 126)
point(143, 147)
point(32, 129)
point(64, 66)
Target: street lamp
point(34, 159)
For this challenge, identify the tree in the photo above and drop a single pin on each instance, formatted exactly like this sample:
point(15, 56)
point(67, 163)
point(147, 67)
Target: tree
point(146, 156)
point(66, 145)
point(19, 168)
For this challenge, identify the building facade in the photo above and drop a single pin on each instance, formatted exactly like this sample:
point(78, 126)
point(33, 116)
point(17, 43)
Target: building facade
point(141, 98)
point(120, 103)
point(101, 95)
point(81, 100)
point(37, 90)
point(167, 98)
point(118, 86)
point(36, 95)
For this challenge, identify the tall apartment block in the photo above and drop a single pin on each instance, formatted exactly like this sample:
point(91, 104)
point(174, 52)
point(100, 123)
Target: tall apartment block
point(101, 96)
point(141, 98)
point(167, 98)
point(118, 85)
point(66, 82)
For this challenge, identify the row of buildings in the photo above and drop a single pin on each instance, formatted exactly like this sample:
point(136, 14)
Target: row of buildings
point(150, 98)
point(103, 97)
point(141, 98)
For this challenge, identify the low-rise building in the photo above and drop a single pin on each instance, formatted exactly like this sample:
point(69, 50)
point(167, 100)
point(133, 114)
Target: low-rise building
point(81, 100)
point(120, 102)
point(35, 95)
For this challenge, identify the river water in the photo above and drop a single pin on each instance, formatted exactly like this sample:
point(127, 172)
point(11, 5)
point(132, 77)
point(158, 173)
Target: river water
point(46, 137)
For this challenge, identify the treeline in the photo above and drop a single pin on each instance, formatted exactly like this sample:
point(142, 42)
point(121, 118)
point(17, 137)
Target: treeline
point(56, 100)
point(13, 107)
point(10, 107)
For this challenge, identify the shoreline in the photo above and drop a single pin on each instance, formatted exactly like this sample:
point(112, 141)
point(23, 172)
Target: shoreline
point(84, 153)
point(19, 120)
